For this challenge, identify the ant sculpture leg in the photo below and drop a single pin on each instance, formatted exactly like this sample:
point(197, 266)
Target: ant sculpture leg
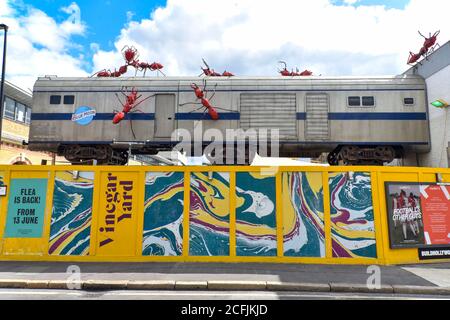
point(197, 109)
point(143, 100)
point(224, 109)
point(159, 71)
point(117, 96)
point(214, 93)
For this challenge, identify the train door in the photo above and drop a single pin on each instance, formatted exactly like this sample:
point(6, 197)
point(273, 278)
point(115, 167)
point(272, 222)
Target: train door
point(317, 125)
point(164, 115)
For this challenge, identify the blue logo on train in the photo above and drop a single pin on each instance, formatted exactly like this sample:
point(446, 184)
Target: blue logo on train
point(84, 115)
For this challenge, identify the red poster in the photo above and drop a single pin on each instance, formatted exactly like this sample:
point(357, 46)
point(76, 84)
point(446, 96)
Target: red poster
point(435, 201)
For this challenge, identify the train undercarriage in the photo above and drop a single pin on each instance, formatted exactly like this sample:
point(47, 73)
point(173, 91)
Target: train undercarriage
point(230, 155)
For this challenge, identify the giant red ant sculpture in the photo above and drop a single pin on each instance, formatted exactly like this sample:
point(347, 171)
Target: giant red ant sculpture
point(211, 73)
point(428, 47)
point(129, 106)
point(131, 55)
point(205, 102)
point(286, 73)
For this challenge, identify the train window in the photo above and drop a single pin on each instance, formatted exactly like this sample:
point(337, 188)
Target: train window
point(69, 99)
point(408, 101)
point(354, 101)
point(55, 99)
point(368, 101)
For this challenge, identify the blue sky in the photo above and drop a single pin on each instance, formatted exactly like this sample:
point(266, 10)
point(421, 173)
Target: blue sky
point(103, 18)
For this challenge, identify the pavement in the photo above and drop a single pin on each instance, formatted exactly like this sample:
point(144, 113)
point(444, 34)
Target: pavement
point(433, 279)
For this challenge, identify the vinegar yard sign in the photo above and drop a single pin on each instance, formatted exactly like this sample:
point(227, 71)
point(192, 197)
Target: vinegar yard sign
point(26, 208)
point(116, 234)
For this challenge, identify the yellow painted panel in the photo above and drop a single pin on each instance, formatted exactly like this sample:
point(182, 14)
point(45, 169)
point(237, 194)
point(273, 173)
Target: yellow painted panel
point(117, 214)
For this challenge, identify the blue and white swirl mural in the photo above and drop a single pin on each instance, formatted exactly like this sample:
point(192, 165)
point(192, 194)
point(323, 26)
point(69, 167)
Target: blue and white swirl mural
point(70, 228)
point(256, 233)
point(303, 214)
point(352, 218)
point(163, 214)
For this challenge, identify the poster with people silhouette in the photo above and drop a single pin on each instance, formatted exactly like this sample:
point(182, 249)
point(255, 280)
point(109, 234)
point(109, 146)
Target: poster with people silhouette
point(405, 215)
point(419, 214)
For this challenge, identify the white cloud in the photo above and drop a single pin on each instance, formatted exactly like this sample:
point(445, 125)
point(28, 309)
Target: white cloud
point(38, 45)
point(248, 37)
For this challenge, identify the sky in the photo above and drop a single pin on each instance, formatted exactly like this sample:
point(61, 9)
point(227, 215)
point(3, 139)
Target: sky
point(246, 37)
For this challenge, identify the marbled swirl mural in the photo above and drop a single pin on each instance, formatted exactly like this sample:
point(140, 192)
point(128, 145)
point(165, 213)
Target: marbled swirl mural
point(352, 218)
point(163, 214)
point(303, 214)
point(70, 229)
point(209, 224)
point(255, 215)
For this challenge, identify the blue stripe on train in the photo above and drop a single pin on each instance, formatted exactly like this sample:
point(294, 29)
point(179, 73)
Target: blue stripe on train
point(98, 116)
point(371, 116)
point(236, 116)
point(206, 116)
point(133, 116)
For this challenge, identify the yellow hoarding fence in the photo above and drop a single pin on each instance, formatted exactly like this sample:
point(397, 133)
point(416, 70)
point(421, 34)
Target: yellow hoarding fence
point(323, 215)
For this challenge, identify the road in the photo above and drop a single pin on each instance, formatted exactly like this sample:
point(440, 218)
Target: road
point(23, 294)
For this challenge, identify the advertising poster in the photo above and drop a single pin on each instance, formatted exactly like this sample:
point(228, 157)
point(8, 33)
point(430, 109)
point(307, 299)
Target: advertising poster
point(405, 215)
point(26, 208)
point(435, 201)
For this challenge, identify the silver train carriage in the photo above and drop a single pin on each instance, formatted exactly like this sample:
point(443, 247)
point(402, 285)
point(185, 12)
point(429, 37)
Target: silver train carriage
point(357, 120)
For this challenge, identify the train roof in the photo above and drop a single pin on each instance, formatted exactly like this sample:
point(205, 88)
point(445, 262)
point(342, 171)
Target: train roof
point(256, 78)
point(311, 81)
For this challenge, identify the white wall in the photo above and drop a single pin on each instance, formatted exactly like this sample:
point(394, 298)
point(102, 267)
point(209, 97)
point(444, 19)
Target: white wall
point(438, 88)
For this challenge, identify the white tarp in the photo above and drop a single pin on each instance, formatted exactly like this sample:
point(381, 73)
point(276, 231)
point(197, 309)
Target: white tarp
point(282, 162)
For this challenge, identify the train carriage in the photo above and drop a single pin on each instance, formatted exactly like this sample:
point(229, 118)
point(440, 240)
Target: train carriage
point(357, 120)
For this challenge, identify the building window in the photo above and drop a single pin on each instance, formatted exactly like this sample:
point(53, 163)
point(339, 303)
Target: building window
point(10, 108)
point(55, 99)
point(28, 116)
point(368, 101)
point(20, 112)
point(69, 99)
point(408, 101)
point(354, 101)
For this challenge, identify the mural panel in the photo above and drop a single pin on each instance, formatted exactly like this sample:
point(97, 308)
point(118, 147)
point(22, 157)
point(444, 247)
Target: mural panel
point(209, 224)
point(303, 214)
point(70, 228)
point(352, 218)
point(163, 214)
point(255, 215)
